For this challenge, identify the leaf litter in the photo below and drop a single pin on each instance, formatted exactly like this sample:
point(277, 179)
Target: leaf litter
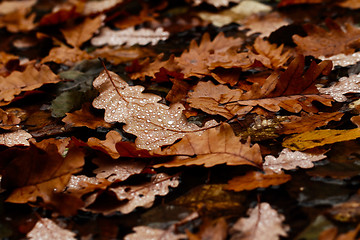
point(209, 106)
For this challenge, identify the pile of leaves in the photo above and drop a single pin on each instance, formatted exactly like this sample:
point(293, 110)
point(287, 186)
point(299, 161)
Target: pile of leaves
point(197, 119)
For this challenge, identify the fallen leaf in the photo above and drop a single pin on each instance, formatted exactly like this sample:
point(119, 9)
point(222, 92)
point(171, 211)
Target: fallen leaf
point(129, 36)
point(264, 24)
point(17, 82)
point(254, 179)
point(77, 35)
point(65, 55)
point(348, 211)
point(7, 7)
point(284, 3)
point(145, 232)
point(85, 118)
point(119, 170)
point(263, 223)
point(321, 42)
point(342, 59)
point(48, 229)
point(19, 137)
point(308, 122)
point(142, 195)
point(318, 138)
point(18, 21)
point(153, 123)
point(46, 170)
point(108, 145)
point(196, 149)
point(352, 4)
point(356, 120)
point(333, 234)
point(216, 3)
point(215, 229)
point(345, 85)
point(92, 7)
point(8, 120)
point(290, 160)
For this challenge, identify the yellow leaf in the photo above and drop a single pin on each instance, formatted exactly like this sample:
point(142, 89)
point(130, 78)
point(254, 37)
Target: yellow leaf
point(318, 138)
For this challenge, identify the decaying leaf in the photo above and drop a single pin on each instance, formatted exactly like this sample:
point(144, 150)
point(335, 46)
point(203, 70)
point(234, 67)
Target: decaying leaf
point(348, 211)
point(195, 149)
point(318, 138)
point(33, 77)
point(320, 42)
point(153, 123)
point(7, 7)
point(352, 4)
point(216, 3)
point(345, 85)
point(19, 137)
point(255, 179)
point(129, 36)
point(46, 229)
point(333, 234)
point(263, 223)
point(290, 160)
point(47, 171)
point(284, 3)
point(8, 120)
point(65, 55)
point(145, 232)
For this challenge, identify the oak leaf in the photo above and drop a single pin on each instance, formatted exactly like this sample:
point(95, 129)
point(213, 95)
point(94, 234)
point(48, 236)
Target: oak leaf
point(77, 35)
point(263, 223)
point(92, 7)
point(290, 160)
point(8, 120)
point(85, 118)
point(264, 24)
point(145, 232)
point(320, 42)
point(342, 59)
point(7, 7)
point(308, 122)
point(117, 170)
point(141, 195)
point(48, 229)
point(255, 179)
point(65, 55)
point(333, 234)
point(153, 123)
point(19, 137)
point(108, 145)
point(345, 85)
point(352, 4)
point(318, 138)
point(18, 21)
point(216, 3)
point(195, 149)
point(129, 36)
point(47, 172)
point(293, 90)
point(33, 77)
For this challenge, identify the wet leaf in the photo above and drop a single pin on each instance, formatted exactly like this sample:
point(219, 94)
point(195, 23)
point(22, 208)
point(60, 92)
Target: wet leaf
point(19, 137)
point(145, 232)
point(48, 229)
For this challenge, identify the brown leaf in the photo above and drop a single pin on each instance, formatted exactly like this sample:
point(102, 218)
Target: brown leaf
point(342, 59)
point(196, 60)
point(216, 3)
point(308, 122)
point(48, 229)
point(264, 24)
point(292, 91)
point(145, 232)
point(345, 85)
point(65, 55)
point(263, 223)
point(18, 21)
point(153, 123)
point(290, 160)
point(33, 172)
point(17, 82)
point(121, 55)
point(196, 149)
point(348, 211)
point(77, 35)
point(284, 3)
point(356, 120)
point(352, 4)
point(254, 179)
point(117, 170)
point(108, 145)
point(7, 7)
point(133, 196)
point(270, 55)
point(129, 36)
point(92, 7)
point(320, 42)
point(19, 137)
point(215, 229)
point(332, 234)
point(8, 120)
point(85, 118)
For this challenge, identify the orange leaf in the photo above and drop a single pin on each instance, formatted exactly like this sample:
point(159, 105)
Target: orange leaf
point(255, 179)
point(108, 145)
point(214, 146)
point(65, 55)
